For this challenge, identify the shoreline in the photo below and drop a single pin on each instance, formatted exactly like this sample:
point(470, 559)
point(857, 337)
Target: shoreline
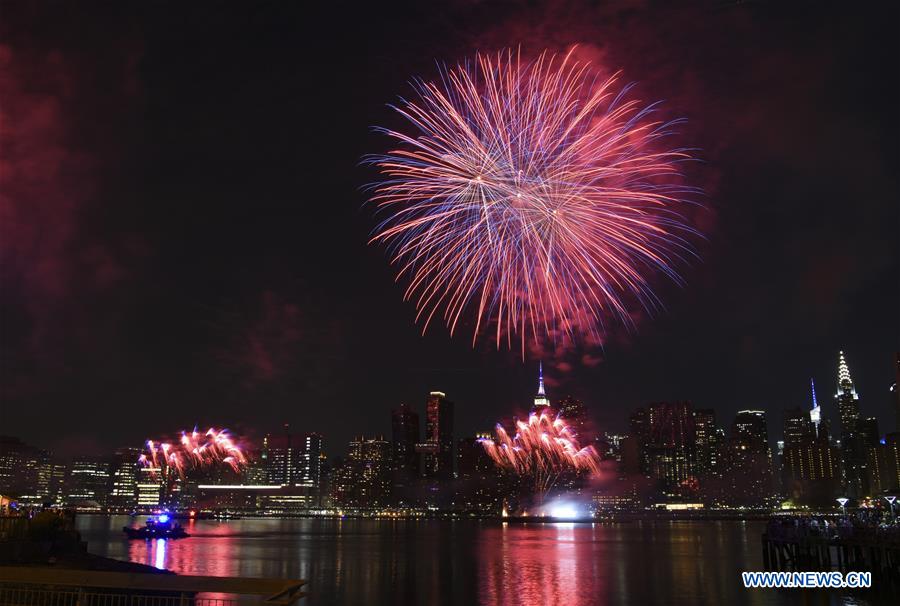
point(619, 517)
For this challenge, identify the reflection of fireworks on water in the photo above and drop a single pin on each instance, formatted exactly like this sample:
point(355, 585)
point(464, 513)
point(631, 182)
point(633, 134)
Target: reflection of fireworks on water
point(543, 449)
point(193, 450)
point(534, 197)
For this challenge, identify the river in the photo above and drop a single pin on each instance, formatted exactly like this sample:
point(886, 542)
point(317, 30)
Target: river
point(400, 562)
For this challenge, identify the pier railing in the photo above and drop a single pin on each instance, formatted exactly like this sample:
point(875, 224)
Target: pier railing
point(60, 597)
point(876, 550)
point(47, 586)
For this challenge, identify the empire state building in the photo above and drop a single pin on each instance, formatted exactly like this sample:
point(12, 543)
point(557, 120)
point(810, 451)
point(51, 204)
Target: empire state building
point(541, 402)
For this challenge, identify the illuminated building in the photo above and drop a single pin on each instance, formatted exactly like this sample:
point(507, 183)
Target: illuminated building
point(438, 446)
point(255, 472)
point(750, 431)
point(749, 460)
point(852, 442)
point(267, 498)
point(124, 478)
point(614, 502)
point(294, 460)
point(363, 479)
point(811, 469)
point(815, 413)
point(707, 441)
point(57, 482)
point(672, 450)
point(25, 471)
point(88, 482)
point(883, 467)
point(149, 487)
point(541, 402)
point(312, 450)
point(847, 400)
point(798, 428)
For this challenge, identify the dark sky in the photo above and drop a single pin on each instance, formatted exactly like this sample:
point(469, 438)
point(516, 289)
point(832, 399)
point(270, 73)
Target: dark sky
point(183, 230)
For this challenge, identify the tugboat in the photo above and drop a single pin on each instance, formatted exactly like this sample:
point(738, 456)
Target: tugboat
point(162, 527)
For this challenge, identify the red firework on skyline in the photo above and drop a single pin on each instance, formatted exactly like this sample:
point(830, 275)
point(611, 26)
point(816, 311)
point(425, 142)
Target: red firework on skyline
point(194, 450)
point(534, 198)
point(542, 449)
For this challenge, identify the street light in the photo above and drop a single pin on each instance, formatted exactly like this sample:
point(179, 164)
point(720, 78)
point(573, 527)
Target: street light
point(890, 499)
point(843, 502)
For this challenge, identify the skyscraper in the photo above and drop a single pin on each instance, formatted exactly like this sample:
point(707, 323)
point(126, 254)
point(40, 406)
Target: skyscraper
point(847, 400)
point(750, 430)
point(811, 471)
point(705, 437)
point(883, 467)
point(852, 446)
point(124, 475)
point(798, 428)
point(639, 429)
point(88, 481)
point(478, 488)
point(294, 460)
point(438, 446)
point(868, 431)
point(749, 459)
point(541, 402)
point(25, 471)
point(672, 448)
point(150, 487)
point(364, 478)
point(815, 413)
point(404, 437)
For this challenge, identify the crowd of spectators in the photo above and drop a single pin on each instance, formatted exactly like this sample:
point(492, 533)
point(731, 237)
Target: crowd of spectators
point(861, 524)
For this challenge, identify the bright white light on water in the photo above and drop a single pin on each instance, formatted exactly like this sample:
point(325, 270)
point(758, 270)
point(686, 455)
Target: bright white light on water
point(564, 511)
point(160, 561)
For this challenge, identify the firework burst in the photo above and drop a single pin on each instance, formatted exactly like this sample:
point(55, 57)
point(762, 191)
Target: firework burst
point(543, 449)
point(535, 198)
point(194, 450)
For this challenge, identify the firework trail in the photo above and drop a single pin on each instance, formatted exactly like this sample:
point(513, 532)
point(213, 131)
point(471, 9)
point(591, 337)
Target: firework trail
point(534, 197)
point(194, 450)
point(543, 449)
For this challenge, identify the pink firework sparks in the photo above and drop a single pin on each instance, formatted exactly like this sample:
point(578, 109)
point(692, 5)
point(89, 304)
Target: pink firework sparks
point(193, 450)
point(534, 198)
point(542, 449)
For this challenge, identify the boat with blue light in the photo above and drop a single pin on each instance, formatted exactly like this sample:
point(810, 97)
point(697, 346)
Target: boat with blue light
point(161, 526)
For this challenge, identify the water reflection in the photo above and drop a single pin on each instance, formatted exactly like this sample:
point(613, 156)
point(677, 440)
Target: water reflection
point(159, 560)
point(463, 563)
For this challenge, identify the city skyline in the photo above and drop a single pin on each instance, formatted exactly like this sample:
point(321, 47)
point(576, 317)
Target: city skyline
point(885, 414)
point(685, 449)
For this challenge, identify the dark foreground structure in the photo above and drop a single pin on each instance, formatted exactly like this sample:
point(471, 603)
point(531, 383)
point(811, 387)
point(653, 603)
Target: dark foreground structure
point(43, 561)
point(807, 544)
point(55, 587)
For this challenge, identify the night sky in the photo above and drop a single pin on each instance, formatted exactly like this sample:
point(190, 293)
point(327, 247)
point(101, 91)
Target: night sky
point(183, 223)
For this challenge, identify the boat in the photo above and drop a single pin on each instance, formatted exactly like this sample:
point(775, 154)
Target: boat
point(160, 527)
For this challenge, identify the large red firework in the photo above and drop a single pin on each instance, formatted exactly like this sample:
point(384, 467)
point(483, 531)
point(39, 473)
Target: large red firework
point(543, 449)
point(193, 450)
point(534, 198)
